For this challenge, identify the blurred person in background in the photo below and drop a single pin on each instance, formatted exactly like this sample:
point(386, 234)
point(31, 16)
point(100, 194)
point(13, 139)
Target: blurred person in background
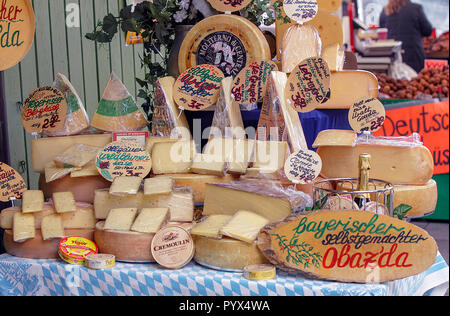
point(406, 22)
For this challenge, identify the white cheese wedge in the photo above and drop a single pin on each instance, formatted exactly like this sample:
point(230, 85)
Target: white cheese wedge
point(160, 185)
point(125, 185)
point(120, 219)
point(150, 220)
point(23, 227)
point(52, 227)
point(244, 226)
point(210, 226)
point(64, 202)
point(32, 201)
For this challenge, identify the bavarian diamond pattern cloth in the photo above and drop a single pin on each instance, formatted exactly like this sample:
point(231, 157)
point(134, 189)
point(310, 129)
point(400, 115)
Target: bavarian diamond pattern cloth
point(38, 277)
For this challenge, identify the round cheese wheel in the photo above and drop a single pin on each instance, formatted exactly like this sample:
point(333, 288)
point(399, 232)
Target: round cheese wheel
point(227, 41)
point(37, 248)
point(126, 246)
point(83, 188)
point(226, 253)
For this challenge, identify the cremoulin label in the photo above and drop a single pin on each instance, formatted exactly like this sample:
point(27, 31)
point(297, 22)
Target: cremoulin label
point(223, 50)
point(348, 246)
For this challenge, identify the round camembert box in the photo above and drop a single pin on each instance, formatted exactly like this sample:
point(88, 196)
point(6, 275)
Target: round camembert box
point(74, 249)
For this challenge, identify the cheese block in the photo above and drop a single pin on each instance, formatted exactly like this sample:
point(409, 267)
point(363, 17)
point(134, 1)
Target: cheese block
point(77, 119)
point(226, 253)
point(329, 27)
point(53, 173)
point(23, 227)
point(167, 117)
point(172, 157)
point(244, 226)
point(362, 84)
point(153, 140)
point(334, 56)
point(125, 185)
point(150, 220)
point(389, 162)
point(422, 198)
point(43, 150)
point(181, 205)
point(64, 202)
point(32, 201)
point(229, 42)
point(299, 43)
point(196, 182)
point(279, 121)
point(329, 5)
point(269, 156)
point(76, 156)
point(126, 246)
point(160, 185)
point(37, 248)
point(83, 188)
point(209, 164)
point(120, 219)
point(90, 169)
point(227, 120)
point(7, 216)
point(277, 181)
point(210, 226)
point(52, 227)
point(117, 110)
point(263, 200)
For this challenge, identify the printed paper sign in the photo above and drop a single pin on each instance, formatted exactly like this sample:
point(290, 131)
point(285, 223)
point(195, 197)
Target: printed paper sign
point(137, 137)
point(12, 184)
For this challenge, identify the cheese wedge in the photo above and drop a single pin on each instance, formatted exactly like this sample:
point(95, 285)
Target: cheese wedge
point(279, 121)
point(32, 201)
point(77, 119)
point(244, 226)
point(23, 227)
point(181, 205)
point(172, 157)
point(150, 220)
point(76, 156)
point(53, 173)
point(167, 117)
point(210, 226)
point(125, 185)
point(227, 121)
point(299, 43)
point(88, 170)
point(334, 56)
point(209, 164)
point(153, 140)
point(52, 227)
point(329, 27)
point(7, 216)
point(161, 185)
point(270, 155)
point(120, 219)
point(117, 110)
point(64, 202)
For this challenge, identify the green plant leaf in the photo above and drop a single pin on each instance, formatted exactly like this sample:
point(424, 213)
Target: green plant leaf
point(401, 211)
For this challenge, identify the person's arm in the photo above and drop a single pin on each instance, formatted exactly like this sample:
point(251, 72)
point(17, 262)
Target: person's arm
point(425, 26)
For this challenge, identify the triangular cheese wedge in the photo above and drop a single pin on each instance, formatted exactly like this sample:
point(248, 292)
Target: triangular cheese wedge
point(227, 120)
point(117, 110)
point(168, 120)
point(77, 119)
point(278, 120)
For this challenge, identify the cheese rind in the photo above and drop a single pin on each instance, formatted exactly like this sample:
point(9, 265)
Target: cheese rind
point(32, 201)
point(172, 157)
point(23, 227)
point(120, 219)
point(210, 226)
point(125, 185)
point(52, 227)
point(161, 185)
point(64, 202)
point(244, 226)
point(150, 220)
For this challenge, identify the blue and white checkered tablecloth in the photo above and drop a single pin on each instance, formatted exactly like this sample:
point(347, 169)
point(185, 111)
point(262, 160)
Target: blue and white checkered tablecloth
point(26, 277)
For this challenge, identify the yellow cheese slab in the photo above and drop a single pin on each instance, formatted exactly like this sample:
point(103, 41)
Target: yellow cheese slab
point(53, 173)
point(64, 202)
point(161, 185)
point(76, 156)
point(89, 170)
point(172, 157)
point(150, 220)
point(210, 226)
point(52, 227)
point(181, 205)
point(125, 185)
point(349, 86)
point(244, 226)
point(334, 56)
point(120, 219)
point(270, 155)
point(44, 150)
point(23, 227)
point(32, 201)
point(209, 164)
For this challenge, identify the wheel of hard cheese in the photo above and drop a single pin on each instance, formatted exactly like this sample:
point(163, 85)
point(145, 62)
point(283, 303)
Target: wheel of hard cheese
point(83, 188)
point(227, 41)
point(125, 246)
point(37, 248)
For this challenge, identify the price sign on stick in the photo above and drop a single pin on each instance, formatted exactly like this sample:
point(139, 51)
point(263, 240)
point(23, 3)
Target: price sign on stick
point(44, 109)
point(12, 184)
point(301, 11)
point(229, 5)
point(123, 159)
point(367, 115)
point(303, 166)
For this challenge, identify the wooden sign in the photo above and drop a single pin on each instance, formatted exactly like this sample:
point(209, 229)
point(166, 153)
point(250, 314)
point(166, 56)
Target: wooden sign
point(301, 11)
point(367, 115)
point(16, 31)
point(348, 246)
point(308, 85)
point(229, 5)
point(303, 166)
point(198, 87)
point(45, 109)
point(250, 84)
point(12, 184)
point(123, 159)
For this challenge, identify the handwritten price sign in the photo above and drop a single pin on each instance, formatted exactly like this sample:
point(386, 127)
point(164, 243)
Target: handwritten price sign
point(367, 115)
point(12, 184)
point(303, 167)
point(301, 11)
point(229, 5)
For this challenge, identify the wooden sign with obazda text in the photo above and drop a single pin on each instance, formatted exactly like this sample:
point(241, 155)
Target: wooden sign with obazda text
point(16, 31)
point(348, 246)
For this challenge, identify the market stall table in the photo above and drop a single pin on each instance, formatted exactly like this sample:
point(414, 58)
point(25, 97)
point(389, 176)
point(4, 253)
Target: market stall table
point(39, 277)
